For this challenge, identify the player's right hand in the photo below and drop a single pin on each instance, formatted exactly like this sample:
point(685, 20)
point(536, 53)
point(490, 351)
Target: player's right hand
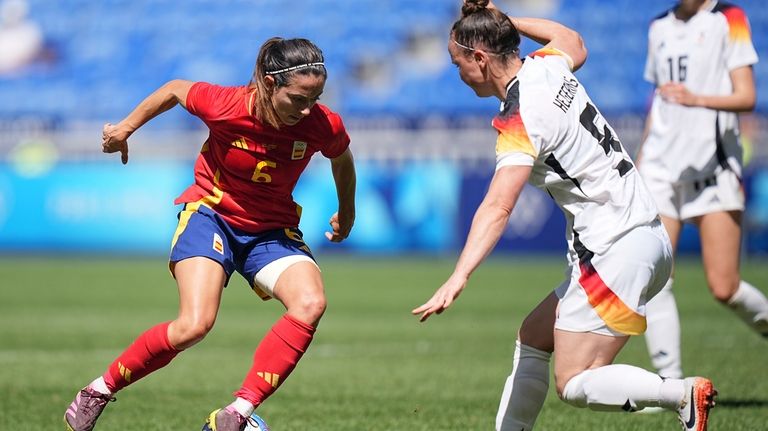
point(442, 299)
point(113, 139)
point(340, 228)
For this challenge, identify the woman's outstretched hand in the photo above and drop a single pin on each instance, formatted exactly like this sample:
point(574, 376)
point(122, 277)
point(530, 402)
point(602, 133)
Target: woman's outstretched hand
point(442, 299)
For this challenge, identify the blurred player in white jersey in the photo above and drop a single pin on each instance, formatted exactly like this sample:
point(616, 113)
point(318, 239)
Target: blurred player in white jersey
point(551, 134)
point(700, 58)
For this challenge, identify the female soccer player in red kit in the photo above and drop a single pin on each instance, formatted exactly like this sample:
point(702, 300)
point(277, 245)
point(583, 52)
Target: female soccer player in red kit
point(239, 215)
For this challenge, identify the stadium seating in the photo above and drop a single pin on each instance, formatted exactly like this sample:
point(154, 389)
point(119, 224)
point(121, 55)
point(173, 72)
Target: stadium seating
point(104, 56)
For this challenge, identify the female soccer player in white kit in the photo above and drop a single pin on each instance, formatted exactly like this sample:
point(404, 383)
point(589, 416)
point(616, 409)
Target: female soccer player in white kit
point(700, 58)
point(552, 135)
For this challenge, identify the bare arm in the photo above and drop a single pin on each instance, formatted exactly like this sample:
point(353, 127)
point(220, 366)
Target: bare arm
point(115, 136)
point(487, 227)
point(343, 168)
point(491, 217)
point(552, 34)
point(741, 99)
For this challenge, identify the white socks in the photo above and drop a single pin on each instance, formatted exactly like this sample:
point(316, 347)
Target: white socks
point(99, 385)
point(663, 334)
point(243, 406)
point(525, 390)
point(622, 388)
point(751, 306)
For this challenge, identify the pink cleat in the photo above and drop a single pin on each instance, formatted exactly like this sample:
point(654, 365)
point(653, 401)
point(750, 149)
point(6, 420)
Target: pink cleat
point(86, 409)
point(226, 419)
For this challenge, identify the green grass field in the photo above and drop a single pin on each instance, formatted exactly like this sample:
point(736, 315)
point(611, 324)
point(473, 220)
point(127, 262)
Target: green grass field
point(372, 366)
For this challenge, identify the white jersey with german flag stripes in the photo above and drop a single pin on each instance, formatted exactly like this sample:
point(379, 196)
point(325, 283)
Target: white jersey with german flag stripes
point(691, 143)
point(549, 122)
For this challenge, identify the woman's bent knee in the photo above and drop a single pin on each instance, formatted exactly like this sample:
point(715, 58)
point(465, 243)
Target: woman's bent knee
point(184, 333)
point(308, 308)
point(723, 292)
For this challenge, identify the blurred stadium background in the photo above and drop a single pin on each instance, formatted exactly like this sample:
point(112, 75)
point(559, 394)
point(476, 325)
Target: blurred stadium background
point(424, 150)
point(422, 140)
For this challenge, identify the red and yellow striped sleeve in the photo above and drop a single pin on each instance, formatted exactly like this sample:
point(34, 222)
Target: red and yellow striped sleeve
point(512, 136)
point(738, 25)
point(545, 52)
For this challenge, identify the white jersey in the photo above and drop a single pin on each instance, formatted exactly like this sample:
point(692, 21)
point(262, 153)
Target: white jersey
point(690, 143)
point(549, 122)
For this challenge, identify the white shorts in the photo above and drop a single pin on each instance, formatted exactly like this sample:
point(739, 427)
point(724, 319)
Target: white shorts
point(684, 200)
point(607, 293)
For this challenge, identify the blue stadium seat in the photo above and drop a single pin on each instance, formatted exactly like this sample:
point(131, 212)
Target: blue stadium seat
point(113, 52)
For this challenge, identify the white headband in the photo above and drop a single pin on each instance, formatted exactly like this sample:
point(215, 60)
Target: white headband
point(469, 48)
point(463, 46)
point(289, 69)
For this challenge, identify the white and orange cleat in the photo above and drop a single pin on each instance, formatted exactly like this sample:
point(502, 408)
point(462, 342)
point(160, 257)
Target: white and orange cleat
point(699, 398)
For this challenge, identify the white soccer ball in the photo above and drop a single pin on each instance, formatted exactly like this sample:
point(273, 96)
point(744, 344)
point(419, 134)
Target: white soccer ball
point(255, 423)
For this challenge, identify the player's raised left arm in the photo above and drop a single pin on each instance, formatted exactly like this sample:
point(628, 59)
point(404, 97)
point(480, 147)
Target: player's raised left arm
point(552, 34)
point(742, 98)
point(115, 136)
point(343, 168)
point(488, 225)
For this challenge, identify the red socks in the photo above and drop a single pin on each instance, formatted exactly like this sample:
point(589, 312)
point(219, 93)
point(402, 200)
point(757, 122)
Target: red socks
point(275, 358)
point(149, 352)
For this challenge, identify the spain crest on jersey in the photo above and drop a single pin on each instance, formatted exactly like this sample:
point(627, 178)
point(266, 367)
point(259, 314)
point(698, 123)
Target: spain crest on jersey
point(299, 149)
point(218, 244)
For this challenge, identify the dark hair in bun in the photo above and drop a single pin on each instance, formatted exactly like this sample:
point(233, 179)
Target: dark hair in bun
point(473, 6)
point(488, 29)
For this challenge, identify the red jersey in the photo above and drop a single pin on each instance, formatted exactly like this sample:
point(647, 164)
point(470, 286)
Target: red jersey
point(247, 170)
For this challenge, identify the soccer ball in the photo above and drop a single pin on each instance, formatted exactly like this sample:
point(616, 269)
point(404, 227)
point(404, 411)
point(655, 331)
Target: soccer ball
point(255, 423)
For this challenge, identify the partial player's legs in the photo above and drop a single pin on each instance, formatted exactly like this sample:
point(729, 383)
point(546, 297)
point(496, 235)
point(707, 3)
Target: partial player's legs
point(585, 378)
point(200, 281)
point(721, 244)
point(720, 251)
point(662, 336)
point(299, 287)
point(526, 387)
point(579, 351)
point(597, 312)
